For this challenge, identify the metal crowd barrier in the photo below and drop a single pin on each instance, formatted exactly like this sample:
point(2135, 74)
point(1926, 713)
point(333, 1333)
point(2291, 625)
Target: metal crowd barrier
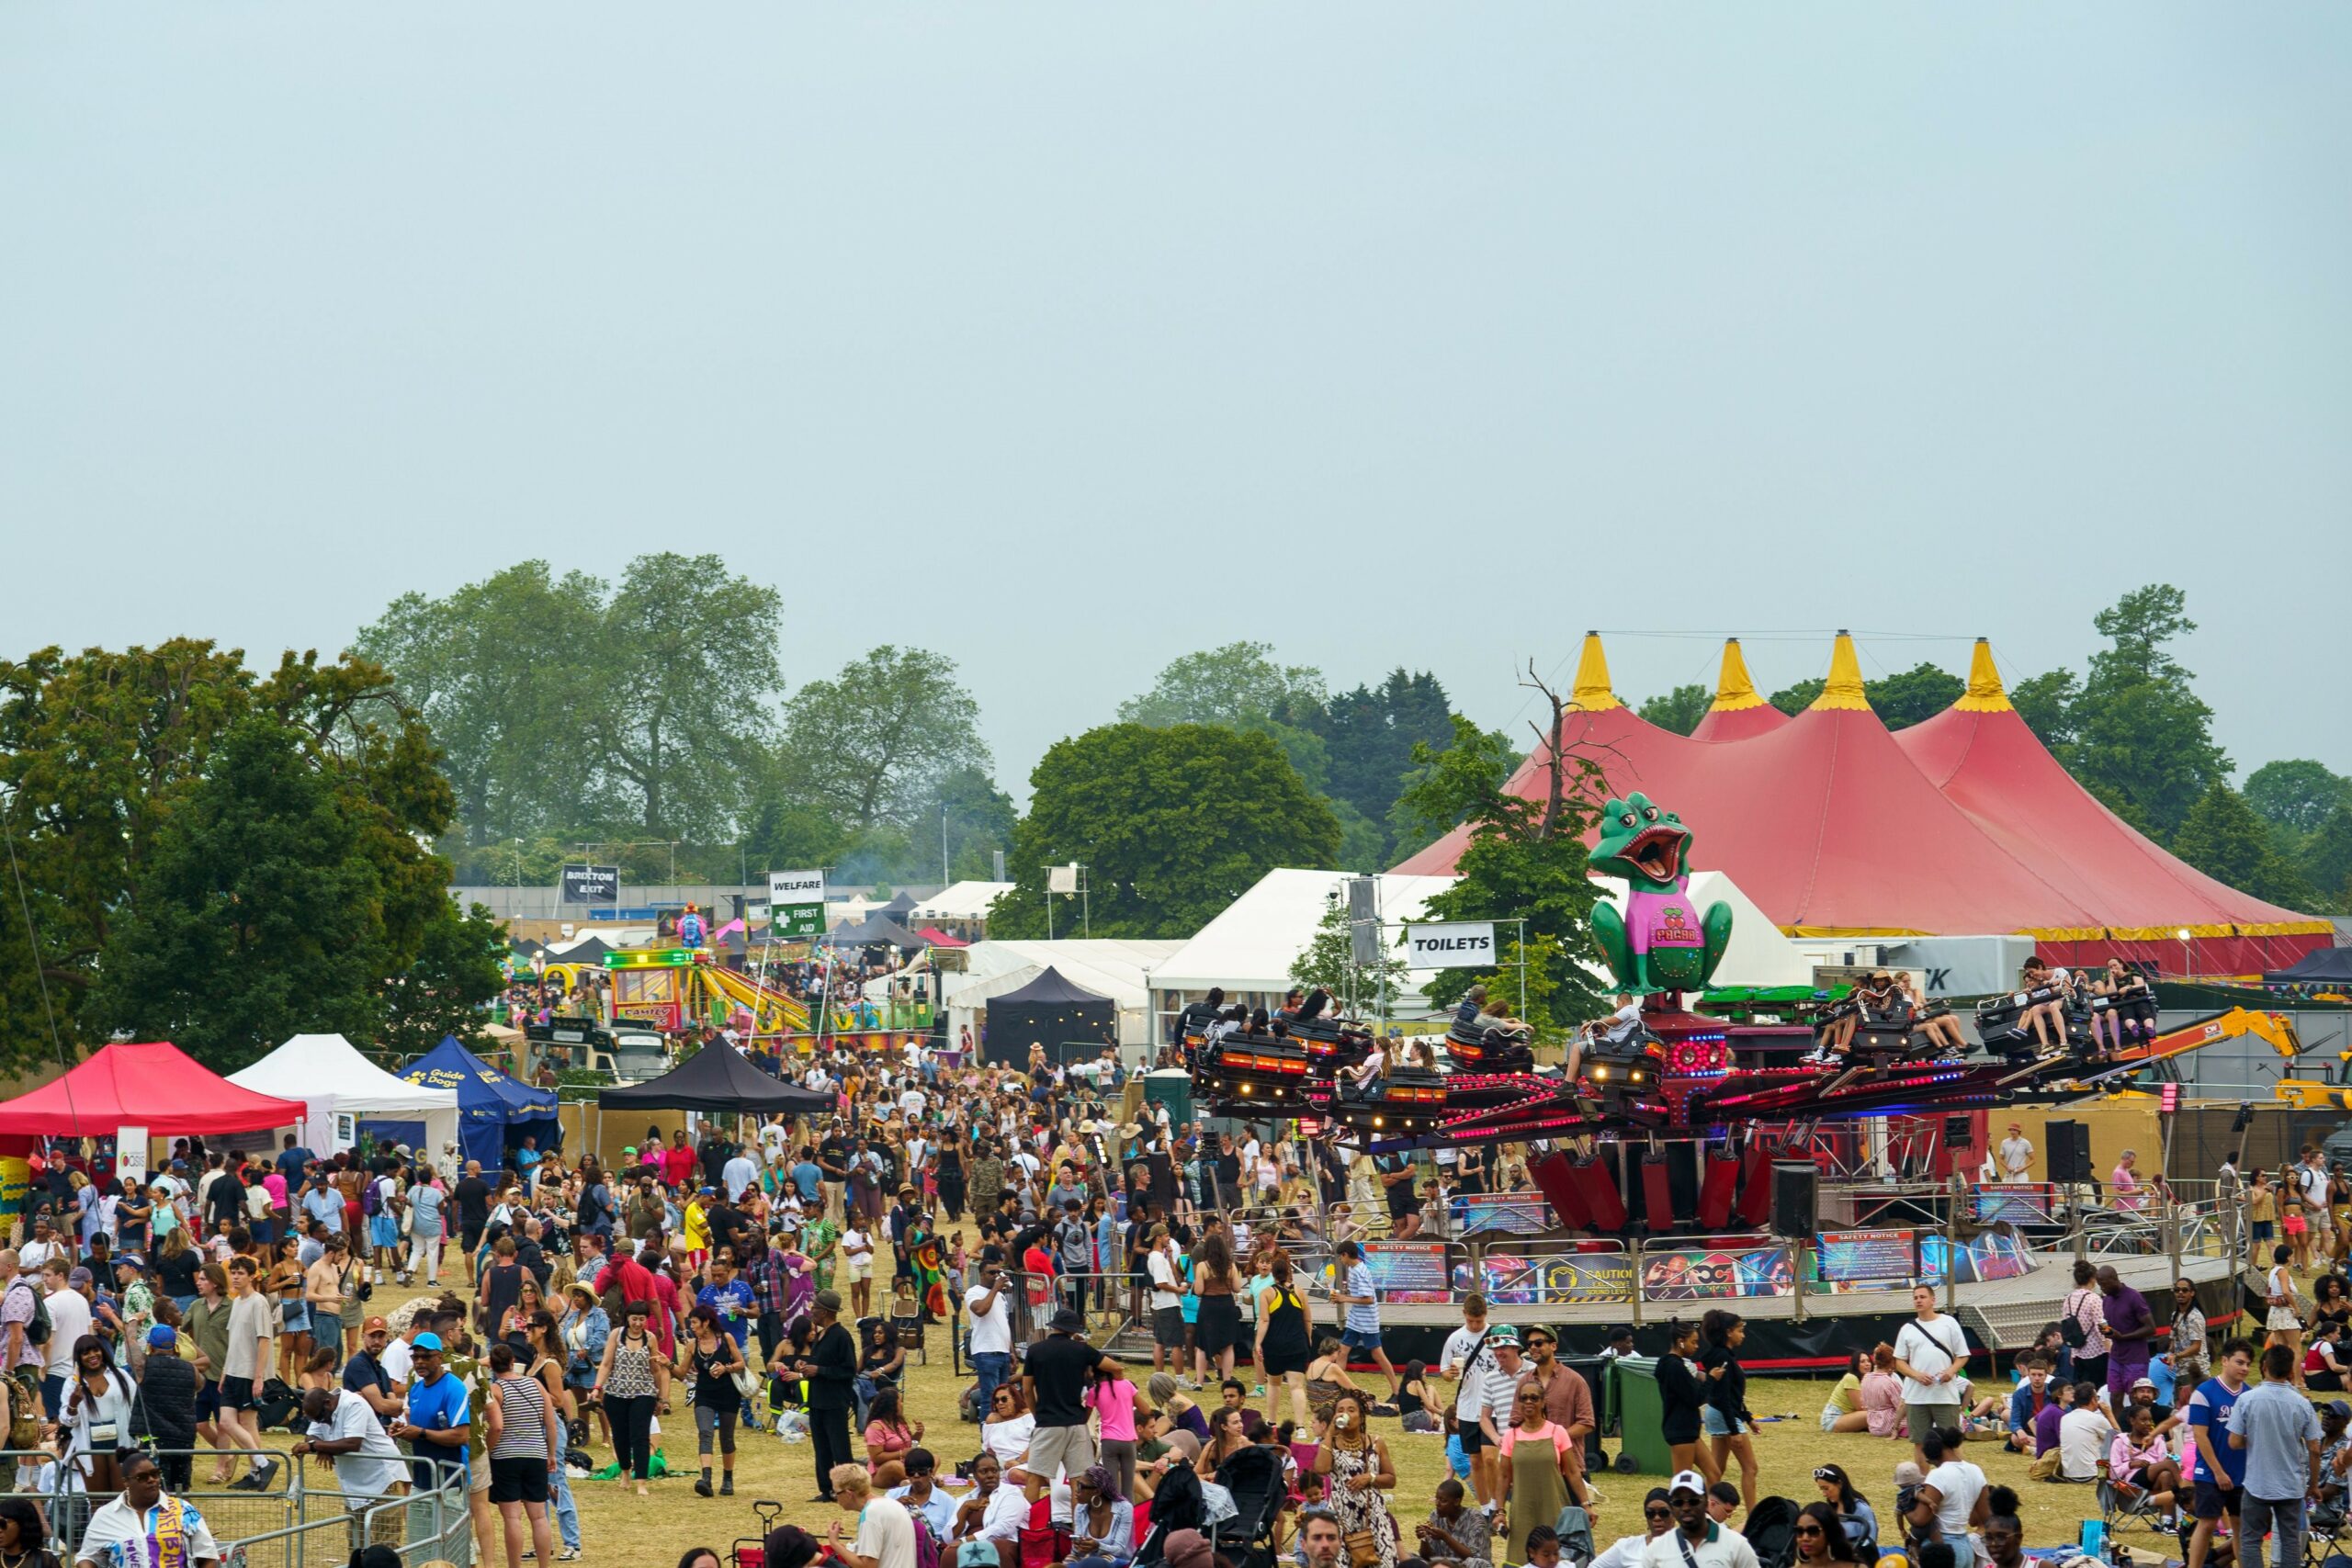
point(277, 1528)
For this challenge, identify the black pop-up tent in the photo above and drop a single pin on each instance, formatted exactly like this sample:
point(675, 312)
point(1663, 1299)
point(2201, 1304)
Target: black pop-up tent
point(717, 1077)
point(2321, 967)
point(877, 930)
point(1067, 1019)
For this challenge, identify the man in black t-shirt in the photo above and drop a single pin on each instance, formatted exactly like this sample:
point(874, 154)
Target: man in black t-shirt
point(1052, 1374)
point(473, 1194)
point(832, 1159)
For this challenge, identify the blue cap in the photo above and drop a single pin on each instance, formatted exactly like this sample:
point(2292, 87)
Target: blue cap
point(425, 1342)
point(162, 1336)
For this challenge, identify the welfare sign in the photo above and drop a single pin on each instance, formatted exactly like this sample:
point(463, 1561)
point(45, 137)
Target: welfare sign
point(796, 904)
point(1459, 945)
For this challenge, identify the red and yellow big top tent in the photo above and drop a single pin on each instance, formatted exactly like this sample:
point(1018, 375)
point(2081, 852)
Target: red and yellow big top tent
point(1964, 825)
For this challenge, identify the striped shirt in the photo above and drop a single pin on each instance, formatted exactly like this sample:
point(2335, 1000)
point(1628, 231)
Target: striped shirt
point(526, 1432)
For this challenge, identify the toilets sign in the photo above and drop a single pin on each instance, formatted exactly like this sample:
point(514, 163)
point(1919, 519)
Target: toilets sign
point(1460, 944)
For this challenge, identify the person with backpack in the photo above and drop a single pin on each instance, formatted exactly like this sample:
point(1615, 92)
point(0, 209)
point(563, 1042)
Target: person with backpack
point(1696, 1540)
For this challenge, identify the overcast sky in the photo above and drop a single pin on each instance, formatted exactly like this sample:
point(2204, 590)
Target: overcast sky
point(1066, 339)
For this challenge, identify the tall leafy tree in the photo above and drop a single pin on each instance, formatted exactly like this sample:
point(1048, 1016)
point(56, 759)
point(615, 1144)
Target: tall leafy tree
point(872, 745)
point(1525, 860)
point(2327, 859)
point(2221, 837)
point(1912, 697)
point(1369, 735)
point(1174, 823)
point(2046, 703)
point(258, 915)
point(2143, 738)
point(1236, 685)
point(1329, 961)
point(682, 714)
point(1680, 709)
point(1450, 785)
point(980, 821)
point(501, 670)
point(1795, 698)
point(2296, 793)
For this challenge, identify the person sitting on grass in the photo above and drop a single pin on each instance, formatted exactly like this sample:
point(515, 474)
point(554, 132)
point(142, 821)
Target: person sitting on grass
point(2026, 1401)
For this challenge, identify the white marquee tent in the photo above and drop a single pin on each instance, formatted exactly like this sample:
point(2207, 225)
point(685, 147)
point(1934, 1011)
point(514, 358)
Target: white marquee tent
point(334, 1081)
point(1248, 950)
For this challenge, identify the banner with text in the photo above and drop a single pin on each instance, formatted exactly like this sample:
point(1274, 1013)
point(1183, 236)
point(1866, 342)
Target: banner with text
point(796, 904)
point(1559, 1280)
point(1516, 1213)
point(1860, 1260)
point(592, 884)
point(1457, 945)
point(1408, 1271)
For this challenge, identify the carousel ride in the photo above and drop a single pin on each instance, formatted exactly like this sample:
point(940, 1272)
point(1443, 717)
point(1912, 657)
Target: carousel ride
point(1746, 1077)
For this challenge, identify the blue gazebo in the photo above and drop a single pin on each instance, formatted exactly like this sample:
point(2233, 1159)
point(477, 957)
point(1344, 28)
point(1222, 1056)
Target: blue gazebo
point(495, 1112)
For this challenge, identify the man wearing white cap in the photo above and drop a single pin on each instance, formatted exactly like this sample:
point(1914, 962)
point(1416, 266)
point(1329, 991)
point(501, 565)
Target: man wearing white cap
point(2017, 1153)
point(1696, 1540)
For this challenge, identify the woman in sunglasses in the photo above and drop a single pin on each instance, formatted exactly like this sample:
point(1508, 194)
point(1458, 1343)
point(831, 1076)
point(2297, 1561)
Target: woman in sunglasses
point(1820, 1538)
point(1657, 1519)
point(1005, 1432)
point(1854, 1509)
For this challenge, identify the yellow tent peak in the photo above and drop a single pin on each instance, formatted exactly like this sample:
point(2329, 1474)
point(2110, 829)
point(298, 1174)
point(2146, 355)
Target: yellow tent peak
point(1844, 687)
point(1591, 693)
point(1734, 689)
point(1985, 692)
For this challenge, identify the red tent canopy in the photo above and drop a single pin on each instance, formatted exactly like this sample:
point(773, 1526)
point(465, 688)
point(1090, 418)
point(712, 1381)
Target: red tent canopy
point(1963, 825)
point(1738, 712)
point(158, 1087)
point(938, 938)
point(1985, 759)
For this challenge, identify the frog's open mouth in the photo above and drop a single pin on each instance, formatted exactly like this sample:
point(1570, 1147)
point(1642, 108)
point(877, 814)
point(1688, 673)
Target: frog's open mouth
point(1658, 852)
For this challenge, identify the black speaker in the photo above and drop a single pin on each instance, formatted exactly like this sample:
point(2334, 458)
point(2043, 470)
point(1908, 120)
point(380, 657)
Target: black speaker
point(2070, 1150)
point(1956, 1132)
point(1796, 1198)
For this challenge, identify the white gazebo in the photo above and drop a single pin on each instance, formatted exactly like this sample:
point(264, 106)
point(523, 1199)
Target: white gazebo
point(342, 1089)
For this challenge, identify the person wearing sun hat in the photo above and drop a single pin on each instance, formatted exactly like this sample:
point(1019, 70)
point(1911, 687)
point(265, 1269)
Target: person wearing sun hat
point(1696, 1540)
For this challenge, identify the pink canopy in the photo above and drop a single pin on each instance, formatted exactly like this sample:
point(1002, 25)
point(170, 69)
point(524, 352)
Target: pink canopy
point(158, 1087)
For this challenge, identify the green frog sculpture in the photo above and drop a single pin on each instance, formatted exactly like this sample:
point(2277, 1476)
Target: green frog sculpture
point(1661, 943)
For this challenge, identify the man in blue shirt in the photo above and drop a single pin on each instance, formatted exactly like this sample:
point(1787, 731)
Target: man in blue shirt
point(323, 1204)
point(2276, 1432)
point(292, 1160)
point(438, 1420)
point(807, 1176)
point(2216, 1471)
point(730, 1297)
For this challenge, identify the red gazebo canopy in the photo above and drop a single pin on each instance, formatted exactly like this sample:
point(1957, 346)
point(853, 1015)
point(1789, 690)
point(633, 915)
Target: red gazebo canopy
point(155, 1086)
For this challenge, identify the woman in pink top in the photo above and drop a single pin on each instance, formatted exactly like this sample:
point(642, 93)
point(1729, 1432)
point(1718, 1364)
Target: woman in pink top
point(275, 1185)
point(1882, 1397)
point(1113, 1399)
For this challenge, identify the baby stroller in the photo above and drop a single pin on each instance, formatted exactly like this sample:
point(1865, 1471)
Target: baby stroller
point(1254, 1476)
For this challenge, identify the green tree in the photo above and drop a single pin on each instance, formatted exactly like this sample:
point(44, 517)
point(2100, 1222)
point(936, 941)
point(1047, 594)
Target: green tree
point(1525, 860)
point(1915, 695)
point(455, 970)
point(1329, 961)
point(2143, 737)
point(1369, 735)
point(2327, 859)
point(793, 835)
point(980, 820)
point(1236, 685)
point(2221, 837)
point(1794, 699)
point(1174, 823)
point(100, 751)
point(2297, 792)
point(501, 670)
point(2046, 703)
point(257, 918)
point(1680, 709)
point(871, 745)
point(1450, 784)
point(680, 715)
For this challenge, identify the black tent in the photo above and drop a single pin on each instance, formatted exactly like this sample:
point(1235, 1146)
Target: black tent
point(717, 1077)
point(588, 949)
point(876, 930)
point(903, 904)
point(1069, 1021)
point(2326, 966)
